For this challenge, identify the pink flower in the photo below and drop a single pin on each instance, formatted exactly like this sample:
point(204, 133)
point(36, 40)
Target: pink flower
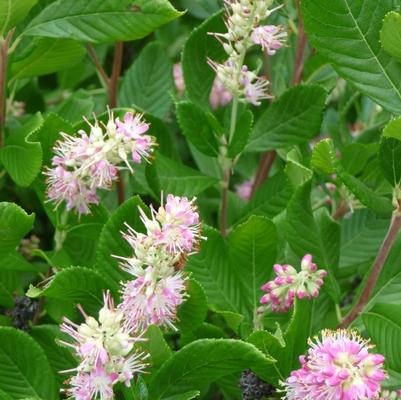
point(175, 225)
point(151, 300)
point(269, 37)
point(288, 284)
point(337, 366)
point(98, 384)
point(179, 78)
point(83, 164)
point(219, 95)
point(254, 87)
point(244, 190)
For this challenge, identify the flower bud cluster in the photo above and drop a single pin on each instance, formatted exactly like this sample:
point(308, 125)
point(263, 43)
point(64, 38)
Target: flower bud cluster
point(338, 365)
point(106, 352)
point(288, 284)
point(244, 29)
point(85, 163)
point(172, 233)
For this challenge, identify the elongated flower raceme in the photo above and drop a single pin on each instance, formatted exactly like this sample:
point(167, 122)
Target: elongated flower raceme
point(338, 366)
point(159, 287)
point(106, 352)
point(244, 30)
point(288, 284)
point(85, 163)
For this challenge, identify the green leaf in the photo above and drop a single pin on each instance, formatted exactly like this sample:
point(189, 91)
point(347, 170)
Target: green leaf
point(210, 267)
point(137, 391)
point(196, 128)
point(361, 237)
point(241, 135)
point(346, 32)
point(156, 346)
point(204, 361)
point(75, 284)
point(24, 368)
point(390, 151)
point(294, 118)
point(383, 324)
point(60, 358)
point(271, 197)
point(78, 105)
point(201, 9)
point(185, 396)
point(173, 177)
point(111, 243)
point(365, 195)
point(15, 223)
point(45, 56)
point(148, 83)
point(100, 21)
point(22, 155)
point(305, 236)
point(193, 311)
point(200, 46)
point(252, 251)
point(324, 156)
point(12, 12)
point(390, 35)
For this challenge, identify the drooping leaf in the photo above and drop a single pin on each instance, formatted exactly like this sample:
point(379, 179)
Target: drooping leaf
point(100, 21)
point(24, 368)
point(347, 33)
point(294, 118)
point(390, 35)
point(15, 223)
point(148, 83)
point(204, 361)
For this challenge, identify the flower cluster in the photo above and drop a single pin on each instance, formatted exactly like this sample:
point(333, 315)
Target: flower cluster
point(106, 352)
point(85, 163)
point(219, 95)
point(337, 366)
point(172, 232)
point(244, 30)
point(288, 284)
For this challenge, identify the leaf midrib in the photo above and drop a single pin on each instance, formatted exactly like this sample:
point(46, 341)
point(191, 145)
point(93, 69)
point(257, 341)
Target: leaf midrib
point(371, 50)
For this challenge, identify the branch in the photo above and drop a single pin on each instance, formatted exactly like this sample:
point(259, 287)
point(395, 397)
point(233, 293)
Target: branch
point(263, 171)
point(299, 56)
point(115, 74)
point(385, 248)
point(224, 202)
point(99, 68)
point(3, 80)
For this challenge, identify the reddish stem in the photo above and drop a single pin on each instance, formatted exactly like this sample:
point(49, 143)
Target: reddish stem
point(3, 79)
point(99, 68)
point(381, 257)
point(299, 56)
point(263, 171)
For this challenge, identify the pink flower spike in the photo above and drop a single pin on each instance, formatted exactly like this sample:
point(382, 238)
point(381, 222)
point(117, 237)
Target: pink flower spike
point(270, 37)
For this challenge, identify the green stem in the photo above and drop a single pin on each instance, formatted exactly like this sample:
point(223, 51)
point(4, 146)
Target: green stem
point(233, 123)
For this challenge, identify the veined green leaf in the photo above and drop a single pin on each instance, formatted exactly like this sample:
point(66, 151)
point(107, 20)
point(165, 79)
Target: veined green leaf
point(148, 83)
point(102, 21)
point(347, 33)
point(12, 12)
